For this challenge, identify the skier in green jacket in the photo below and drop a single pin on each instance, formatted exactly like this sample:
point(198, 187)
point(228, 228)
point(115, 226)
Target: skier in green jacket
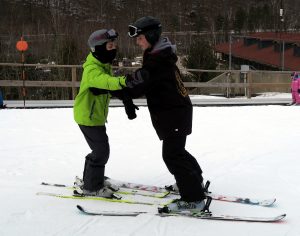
point(91, 108)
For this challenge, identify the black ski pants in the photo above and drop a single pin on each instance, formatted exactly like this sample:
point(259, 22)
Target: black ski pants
point(184, 167)
point(97, 139)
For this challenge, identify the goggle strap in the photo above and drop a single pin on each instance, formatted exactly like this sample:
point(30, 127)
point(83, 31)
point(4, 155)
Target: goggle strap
point(145, 29)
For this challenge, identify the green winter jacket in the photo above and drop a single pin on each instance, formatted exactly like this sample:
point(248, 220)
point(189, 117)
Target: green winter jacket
point(90, 109)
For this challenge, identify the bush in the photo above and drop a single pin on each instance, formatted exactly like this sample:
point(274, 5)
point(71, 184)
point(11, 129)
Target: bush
point(201, 56)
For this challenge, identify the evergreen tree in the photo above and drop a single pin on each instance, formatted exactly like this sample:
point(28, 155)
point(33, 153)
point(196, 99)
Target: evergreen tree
point(201, 56)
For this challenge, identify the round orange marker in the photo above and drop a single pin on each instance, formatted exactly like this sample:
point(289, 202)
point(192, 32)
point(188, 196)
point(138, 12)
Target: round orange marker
point(22, 45)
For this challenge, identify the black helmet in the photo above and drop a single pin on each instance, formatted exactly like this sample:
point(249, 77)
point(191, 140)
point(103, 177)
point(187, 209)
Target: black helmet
point(148, 26)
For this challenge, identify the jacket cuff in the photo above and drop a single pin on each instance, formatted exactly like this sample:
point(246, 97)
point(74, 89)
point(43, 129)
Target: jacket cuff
point(122, 81)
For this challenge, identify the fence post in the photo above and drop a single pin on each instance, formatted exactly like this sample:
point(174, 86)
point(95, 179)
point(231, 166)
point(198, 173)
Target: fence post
point(74, 79)
point(22, 46)
point(228, 89)
point(249, 90)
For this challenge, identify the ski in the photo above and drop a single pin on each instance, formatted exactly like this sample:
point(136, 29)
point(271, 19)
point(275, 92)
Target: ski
point(107, 213)
point(205, 213)
point(195, 215)
point(125, 191)
point(242, 200)
point(210, 216)
point(82, 197)
point(56, 185)
point(218, 197)
point(128, 188)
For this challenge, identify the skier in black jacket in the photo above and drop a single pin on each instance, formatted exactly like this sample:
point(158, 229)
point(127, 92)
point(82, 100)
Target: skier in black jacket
point(170, 108)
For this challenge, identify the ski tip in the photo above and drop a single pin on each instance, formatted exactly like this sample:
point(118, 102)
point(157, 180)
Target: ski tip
point(281, 216)
point(274, 200)
point(268, 202)
point(277, 218)
point(80, 208)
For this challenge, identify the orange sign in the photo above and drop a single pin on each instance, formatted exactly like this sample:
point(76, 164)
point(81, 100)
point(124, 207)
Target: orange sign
point(22, 45)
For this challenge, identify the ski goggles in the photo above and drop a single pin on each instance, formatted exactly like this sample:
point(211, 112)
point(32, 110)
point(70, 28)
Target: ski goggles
point(111, 34)
point(134, 31)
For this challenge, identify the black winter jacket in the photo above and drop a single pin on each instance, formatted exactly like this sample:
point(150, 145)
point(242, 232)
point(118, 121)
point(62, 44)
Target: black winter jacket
point(168, 102)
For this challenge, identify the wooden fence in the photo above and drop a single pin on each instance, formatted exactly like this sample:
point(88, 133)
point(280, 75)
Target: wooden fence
point(228, 81)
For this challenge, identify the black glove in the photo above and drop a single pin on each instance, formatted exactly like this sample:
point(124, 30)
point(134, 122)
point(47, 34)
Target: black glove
point(97, 91)
point(129, 80)
point(130, 108)
point(137, 78)
point(117, 93)
point(298, 90)
point(127, 101)
point(138, 83)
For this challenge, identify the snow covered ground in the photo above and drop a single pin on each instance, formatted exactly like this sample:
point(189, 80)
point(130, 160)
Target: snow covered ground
point(246, 151)
point(270, 98)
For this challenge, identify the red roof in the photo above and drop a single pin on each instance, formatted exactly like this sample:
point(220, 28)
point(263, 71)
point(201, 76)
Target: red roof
point(267, 55)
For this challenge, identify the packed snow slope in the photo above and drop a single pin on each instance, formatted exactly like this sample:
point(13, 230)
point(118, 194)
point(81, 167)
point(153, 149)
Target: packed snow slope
point(248, 151)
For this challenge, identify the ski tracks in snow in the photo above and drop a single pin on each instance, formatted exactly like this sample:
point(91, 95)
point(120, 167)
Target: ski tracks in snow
point(81, 229)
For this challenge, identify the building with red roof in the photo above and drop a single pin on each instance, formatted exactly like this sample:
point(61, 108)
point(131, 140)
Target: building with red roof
point(264, 50)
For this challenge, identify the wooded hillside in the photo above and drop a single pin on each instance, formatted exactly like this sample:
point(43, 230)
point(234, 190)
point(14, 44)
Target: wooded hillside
point(57, 30)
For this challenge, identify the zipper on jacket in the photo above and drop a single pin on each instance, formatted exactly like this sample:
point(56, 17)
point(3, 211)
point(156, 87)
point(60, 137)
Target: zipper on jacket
point(106, 105)
point(92, 110)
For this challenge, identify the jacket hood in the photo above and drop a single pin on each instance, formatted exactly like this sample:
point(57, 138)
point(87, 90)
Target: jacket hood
point(162, 44)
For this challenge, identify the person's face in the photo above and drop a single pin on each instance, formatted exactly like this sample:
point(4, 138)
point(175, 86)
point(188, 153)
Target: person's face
point(111, 45)
point(142, 42)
